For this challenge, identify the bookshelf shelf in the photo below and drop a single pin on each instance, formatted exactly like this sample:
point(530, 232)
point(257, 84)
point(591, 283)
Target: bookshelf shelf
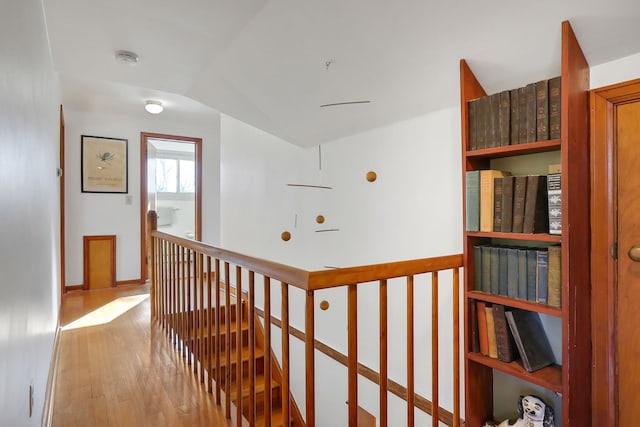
point(516, 150)
point(572, 380)
point(542, 237)
point(515, 303)
point(549, 377)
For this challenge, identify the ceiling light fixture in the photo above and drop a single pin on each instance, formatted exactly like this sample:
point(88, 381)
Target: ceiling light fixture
point(153, 107)
point(126, 57)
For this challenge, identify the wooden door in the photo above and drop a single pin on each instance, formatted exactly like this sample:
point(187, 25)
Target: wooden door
point(628, 298)
point(615, 229)
point(99, 262)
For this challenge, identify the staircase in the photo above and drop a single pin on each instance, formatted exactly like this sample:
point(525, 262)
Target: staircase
point(194, 326)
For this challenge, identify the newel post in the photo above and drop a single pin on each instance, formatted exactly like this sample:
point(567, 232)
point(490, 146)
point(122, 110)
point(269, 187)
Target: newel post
point(152, 225)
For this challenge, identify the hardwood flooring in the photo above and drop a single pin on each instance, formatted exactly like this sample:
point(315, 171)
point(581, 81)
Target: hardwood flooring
point(124, 372)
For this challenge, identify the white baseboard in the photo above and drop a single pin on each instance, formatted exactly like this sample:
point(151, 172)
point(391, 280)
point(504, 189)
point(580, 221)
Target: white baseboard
point(47, 413)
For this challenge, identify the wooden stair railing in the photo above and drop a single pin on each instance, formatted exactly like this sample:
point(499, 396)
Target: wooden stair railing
point(205, 299)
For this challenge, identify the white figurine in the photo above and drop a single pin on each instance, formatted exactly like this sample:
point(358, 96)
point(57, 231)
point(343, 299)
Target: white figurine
point(532, 412)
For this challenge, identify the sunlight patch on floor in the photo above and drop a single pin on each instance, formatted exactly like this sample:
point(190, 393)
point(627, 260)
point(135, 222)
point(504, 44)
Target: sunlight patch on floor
point(107, 312)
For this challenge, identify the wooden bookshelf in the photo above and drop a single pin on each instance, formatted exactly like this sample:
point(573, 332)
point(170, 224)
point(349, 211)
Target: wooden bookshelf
point(573, 378)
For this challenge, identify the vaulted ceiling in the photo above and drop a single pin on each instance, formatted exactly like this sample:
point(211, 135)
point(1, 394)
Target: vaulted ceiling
point(273, 63)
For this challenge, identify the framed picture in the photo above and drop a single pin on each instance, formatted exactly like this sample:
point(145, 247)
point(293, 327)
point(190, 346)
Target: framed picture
point(104, 165)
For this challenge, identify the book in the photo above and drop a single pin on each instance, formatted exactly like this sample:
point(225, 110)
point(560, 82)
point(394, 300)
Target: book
point(507, 204)
point(473, 123)
point(504, 338)
point(483, 338)
point(542, 270)
point(494, 270)
point(514, 118)
point(554, 168)
point(505, 117)
point(554, 201)
point(482, 110)
point(503, 271)
point(532, 123)
point(475, 339)
point(532, 270)
point(522, 273)
point(542, 110)
point(512, 272)
point(477, 268)
point(554, 108)
point(522, 115)
point(497, 204)
point(554, 279)
point(486, 197)
point(494, 121)
point(536, 209)
point(519, 193)
point(472, 200)
point(531, 341)
point(486, 269)
point(491, 332)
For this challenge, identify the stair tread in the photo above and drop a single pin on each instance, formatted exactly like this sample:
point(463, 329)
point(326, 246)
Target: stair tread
point(259, 353)
point(223, 328)
point(276, 418)
point(259, 386)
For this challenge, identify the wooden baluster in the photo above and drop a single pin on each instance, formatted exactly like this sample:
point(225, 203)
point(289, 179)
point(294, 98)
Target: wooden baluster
point(172, 297)
point(183, 300)
point(239, 346)
point(218, 343)
point(384, 409)
point(227, 341)
point(189, 314)
point(352, 354)
point(267, 351)
point(164, 285)
point(152, 223)
point(202, 315)
point(252, 349)
point(456, 347)
point(286, 417)
point(209, 328)
point(435, 405)
point(410, 355)
point(310, 358)
point(196, 315)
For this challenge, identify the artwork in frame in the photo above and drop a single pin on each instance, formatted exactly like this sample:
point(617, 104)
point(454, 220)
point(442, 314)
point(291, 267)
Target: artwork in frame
point(104, 165)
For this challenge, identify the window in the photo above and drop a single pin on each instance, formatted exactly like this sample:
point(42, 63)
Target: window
point(174, 173)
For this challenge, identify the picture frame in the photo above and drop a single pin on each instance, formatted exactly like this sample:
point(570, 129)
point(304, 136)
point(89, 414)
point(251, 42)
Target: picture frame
point(104, 164)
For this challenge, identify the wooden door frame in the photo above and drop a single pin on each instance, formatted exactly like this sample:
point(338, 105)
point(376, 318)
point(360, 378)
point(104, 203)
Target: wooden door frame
point(603, 241)
point(144, 137)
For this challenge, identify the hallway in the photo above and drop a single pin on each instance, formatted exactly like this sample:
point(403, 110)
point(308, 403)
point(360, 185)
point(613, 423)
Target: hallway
point(117, 370)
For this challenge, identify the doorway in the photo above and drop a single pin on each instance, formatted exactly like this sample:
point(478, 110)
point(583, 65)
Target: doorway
point(170, 184)
point(615, 268)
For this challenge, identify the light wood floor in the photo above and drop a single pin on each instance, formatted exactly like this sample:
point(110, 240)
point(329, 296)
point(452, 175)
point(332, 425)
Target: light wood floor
point(125, 372)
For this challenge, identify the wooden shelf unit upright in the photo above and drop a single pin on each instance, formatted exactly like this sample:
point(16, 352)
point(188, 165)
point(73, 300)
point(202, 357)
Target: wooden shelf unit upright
point(573, 379)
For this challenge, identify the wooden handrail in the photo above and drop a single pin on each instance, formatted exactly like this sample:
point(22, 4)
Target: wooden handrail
point(188, 278)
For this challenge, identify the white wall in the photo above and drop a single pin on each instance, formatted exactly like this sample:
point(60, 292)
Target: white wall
point(413, 210)
point(29, 221)
point(96, 214)
point(620, 70)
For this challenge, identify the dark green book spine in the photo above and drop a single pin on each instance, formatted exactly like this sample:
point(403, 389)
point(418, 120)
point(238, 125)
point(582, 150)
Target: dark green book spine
point(542, 272)
point(554, 108)
point(514, 117)
point(472, 200)
point(505, 117)
point(512, 272)
point(507, 204)
point(481, 123)
point(542, 110)
point(519, 194)
point(532, 260)
point(497, 204)
point(477, 268)
point(536, 209)
point(503, 271)
point(494, 114)
point(486, 269)
point(473, 124)
point(531, 112)
point(494, 270)
point(522, 274)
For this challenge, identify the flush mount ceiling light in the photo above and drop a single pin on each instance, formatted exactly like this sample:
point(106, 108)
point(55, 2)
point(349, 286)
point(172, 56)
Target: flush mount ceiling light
point(126, 57)
point(153, 107)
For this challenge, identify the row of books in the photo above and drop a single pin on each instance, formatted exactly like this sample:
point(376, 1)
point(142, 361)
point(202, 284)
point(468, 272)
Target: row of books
point(499, 202)
point(516, 116)
point(505, 334)
point(531, 274)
